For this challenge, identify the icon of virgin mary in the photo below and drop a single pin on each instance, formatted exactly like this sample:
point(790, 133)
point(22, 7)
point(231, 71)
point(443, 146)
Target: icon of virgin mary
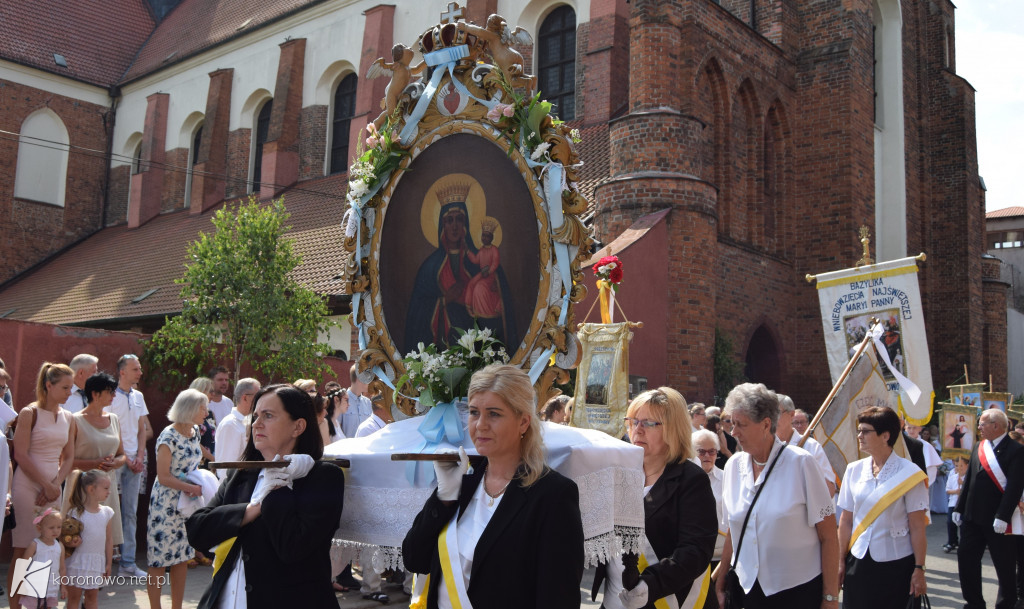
point(450, 291)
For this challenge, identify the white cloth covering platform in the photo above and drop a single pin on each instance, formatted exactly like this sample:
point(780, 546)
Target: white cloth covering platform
point(381, 502)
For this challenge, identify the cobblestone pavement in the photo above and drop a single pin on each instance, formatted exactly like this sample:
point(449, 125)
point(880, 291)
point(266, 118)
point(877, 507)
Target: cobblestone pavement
point(943, 583)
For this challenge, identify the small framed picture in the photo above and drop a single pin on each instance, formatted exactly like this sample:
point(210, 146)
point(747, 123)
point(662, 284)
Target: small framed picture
point(995, 399)
point(968, 395)
point(959, 424)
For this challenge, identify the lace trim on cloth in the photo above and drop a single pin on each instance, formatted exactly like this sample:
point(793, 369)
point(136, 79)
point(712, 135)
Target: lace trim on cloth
point(596, 549)
point(826, 511)
point(381, 558)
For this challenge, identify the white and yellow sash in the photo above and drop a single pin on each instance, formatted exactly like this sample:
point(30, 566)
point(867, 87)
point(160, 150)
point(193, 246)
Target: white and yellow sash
point(698, 590)
point(987, 457)
point(451, 565)
point(881, 498)
point(420, 586)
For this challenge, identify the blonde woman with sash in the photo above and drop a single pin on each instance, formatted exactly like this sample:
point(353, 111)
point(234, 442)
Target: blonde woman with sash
point(885, 501)
point(680, 515)
point(508, 533)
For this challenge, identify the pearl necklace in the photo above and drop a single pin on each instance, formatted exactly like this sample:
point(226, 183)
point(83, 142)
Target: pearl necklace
point(490, 497)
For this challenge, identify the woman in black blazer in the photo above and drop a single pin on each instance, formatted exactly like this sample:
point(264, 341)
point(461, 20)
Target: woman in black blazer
point(679, 510)
point(274, 526)
point(511, 529)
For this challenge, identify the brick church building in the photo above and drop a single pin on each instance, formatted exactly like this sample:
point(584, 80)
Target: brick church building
point(731, 147)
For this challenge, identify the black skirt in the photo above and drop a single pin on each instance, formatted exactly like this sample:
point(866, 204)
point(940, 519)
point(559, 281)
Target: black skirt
point(877, 585)
point(807, 595)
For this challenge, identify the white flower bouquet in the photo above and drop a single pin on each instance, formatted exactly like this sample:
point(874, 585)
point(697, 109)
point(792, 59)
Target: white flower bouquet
point(443, 377)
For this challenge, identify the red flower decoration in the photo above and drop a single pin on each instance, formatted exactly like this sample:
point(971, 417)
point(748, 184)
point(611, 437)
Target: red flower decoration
point(609, 269)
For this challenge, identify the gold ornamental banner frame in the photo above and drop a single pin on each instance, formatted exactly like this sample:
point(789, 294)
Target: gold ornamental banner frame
point(602, 378)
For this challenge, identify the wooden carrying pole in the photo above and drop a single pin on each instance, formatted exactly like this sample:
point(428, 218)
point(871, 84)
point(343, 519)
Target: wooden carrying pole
point(839, 383)
point(215, 465)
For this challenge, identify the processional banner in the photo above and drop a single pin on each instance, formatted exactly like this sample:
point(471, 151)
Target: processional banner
point(602, 379)
point(889, 292)
point(863, 388)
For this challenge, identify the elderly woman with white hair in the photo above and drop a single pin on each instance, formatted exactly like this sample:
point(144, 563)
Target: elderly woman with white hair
point(177, 454)
point(781, 538)
point(706, 445)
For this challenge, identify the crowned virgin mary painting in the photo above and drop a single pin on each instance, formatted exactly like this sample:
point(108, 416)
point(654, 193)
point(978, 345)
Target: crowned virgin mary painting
point(461, 247)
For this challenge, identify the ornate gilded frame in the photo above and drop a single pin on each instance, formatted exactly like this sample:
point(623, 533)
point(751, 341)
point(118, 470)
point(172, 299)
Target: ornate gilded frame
point(478, 62)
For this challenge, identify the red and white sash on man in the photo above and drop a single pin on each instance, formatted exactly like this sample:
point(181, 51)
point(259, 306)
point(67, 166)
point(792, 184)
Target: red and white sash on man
point(987, 457)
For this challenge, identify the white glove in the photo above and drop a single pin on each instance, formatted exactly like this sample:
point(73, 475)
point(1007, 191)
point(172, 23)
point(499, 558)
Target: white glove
point(999, 526)
point(635, 598)
point(298, 466)
point(272, 479)
point(957, 518)
point(449, 476)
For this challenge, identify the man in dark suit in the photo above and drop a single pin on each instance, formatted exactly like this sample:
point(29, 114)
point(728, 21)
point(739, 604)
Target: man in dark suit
point(986, 506)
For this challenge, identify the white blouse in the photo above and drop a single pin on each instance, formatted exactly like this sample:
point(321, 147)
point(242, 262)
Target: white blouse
point(816, 451)
point(781, 534)
point(888, 537)
point(233, 595)
point(716, 476)
point(471, 526)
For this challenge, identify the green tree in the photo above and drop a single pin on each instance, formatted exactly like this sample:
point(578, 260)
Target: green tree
point(241, 303)
point(727, 369)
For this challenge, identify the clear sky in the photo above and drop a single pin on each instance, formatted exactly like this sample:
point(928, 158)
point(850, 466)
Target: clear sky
point(990, 55)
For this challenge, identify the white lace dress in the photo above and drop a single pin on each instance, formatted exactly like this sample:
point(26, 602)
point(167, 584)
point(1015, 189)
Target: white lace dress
point(89, 561)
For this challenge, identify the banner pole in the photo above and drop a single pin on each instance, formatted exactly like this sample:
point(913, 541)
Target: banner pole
point(842, 378)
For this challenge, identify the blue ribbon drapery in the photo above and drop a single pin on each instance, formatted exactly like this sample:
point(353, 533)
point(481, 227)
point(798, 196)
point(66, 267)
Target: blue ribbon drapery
point(440, 424)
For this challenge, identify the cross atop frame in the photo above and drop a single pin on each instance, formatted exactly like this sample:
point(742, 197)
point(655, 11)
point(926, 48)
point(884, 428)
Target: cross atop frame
point(453, 14)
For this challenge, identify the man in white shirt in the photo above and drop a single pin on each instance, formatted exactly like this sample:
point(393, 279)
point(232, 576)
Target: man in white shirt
point(132, 416)
point(377, 420)
point(231, 436)
point(84, 366)
point(220, 405)
point(932, 460)
point(800, 421)
point(359, 407)
point(785, 432)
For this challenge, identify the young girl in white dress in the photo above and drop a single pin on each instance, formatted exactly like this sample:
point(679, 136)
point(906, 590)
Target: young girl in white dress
point(42, 549)
point(90, 563)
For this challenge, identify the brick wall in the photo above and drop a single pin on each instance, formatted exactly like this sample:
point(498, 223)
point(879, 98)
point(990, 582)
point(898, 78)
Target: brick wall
point(312, 141)
point(771, 132)
point(117, 195)
point(173, 196)
point(37, 230)
point(238, 162)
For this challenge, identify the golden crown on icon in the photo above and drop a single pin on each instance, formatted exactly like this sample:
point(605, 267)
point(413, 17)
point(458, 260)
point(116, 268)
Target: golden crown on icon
point(453, 193)
point(488, 225)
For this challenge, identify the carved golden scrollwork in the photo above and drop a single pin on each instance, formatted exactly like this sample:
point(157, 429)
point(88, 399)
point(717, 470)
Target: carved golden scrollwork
point(488, 69)
point(545, 385)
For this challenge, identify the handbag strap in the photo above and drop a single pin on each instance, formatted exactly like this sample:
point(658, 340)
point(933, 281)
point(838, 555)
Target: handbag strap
point(743, 531)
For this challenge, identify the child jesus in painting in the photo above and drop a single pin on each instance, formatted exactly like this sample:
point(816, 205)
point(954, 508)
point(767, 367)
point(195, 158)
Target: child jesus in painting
point(483, 296)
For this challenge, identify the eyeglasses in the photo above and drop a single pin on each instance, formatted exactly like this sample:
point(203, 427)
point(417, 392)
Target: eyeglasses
point(707, 452)
point(727, 420)
point(645, 423)
point(864, 432)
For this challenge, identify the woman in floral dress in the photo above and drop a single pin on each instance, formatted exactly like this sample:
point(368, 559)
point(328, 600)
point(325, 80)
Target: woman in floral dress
point(177, 453)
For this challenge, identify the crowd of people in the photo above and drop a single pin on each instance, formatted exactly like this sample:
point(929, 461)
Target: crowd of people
point(736, 513)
